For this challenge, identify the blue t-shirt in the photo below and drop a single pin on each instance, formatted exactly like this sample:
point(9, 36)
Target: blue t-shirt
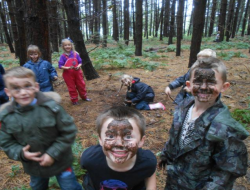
point(103, 177)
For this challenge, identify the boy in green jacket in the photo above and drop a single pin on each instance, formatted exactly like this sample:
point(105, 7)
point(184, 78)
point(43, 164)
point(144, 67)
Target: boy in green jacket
point(37, 131)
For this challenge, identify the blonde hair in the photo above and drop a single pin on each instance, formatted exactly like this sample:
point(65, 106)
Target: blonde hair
point(67, 40)
point(126, 77)
point(19, 72)
point(210, 63)
point(206, 53)
point(33, 49)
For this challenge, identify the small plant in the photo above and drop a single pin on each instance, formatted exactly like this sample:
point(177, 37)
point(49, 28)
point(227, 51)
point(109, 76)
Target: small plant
point(242, 116)
point(15, 169)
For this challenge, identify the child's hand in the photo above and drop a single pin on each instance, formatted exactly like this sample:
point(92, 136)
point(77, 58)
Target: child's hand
point(55, 77)
point(161, 165)
point(46, 160)
point(34, 156)
point(128, 101)
point(168, 91)
point(186, 89)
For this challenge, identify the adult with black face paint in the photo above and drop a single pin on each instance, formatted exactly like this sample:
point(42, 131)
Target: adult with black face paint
point(119, 161)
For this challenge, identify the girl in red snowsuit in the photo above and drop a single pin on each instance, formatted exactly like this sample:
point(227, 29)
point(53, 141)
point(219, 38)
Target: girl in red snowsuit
point(71, 63)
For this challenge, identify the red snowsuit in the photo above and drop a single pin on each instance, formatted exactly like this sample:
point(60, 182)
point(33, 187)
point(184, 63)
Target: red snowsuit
point(73, 78)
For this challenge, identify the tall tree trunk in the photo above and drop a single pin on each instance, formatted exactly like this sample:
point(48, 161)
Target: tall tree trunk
point(222, 19)
point(14, 27)
point(245, 18)
point(146, 20)
point(179, 27)
point(198, 26)
point(37, 27)
point(138, 46)
point(230, 19)
point(151, 19)
point(54, 25)
point(206, 23)
point(248, 28)
point(96, 18)
point(126, 21)
point(161, 21)
point(65, 23)
point(134, 30)
point(21, 31)
point(171, 33)
point(76, 36)
point(7, 35)
point(104, 23)
point(115, 23)
point(242, 8)
point(185, 17)
point(191, 22)
point(87, 18)
point(236, 18)
point(212, 18)
point(120, 21)
point(91, 24)
point(156, 7)
point(166, 19)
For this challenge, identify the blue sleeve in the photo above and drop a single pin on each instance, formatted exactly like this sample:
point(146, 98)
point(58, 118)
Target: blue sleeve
point(2, 69)
point(179, 81)
point(52, 70)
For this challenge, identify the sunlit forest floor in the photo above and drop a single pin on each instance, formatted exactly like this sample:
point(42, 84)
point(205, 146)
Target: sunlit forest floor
point(102, 91)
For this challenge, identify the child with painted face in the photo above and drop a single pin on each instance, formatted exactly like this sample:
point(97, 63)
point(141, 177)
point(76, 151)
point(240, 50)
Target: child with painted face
point(45, 72)
point(181, 81)
point(139, 94)
point(71, 63)
point(37, 131)
point(205, 148)
point(119, 162)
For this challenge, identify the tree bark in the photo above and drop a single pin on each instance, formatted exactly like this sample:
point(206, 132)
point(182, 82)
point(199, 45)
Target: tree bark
point(171, 33)
point(104, 23)
point(14, 27)
point(7, 35)
point(236, 18)
point(115, 23)
point(161, 21)
point(21, 31)
point(146, 20)
point(212, 18)
point(96, 18)
point(222, 19)
point(206, 23)
point(179, 27)
point(76, 35)
point(53, 25)
point(245, 18)
point(138, 46)
point(166, 19)
point(198, 26)
point(126, 21)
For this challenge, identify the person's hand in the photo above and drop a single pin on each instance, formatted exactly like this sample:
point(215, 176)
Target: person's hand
point(168, 91)
point(46, 160)
point(78, 67)
point(161, 165)
point(128, 101)
point(186, 89)
point(55, 77)
point(34, 156)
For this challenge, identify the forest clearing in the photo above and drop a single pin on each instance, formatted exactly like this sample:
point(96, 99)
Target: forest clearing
point(154, 40)
point(103, 92)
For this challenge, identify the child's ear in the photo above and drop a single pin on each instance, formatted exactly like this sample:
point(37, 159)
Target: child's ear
point(37, 88)
point(141, 143)
point(226, 85)
point(7, 91)
point(188, 85)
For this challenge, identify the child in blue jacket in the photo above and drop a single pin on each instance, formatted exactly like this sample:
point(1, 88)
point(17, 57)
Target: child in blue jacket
point(3, 97)
point(45, 72)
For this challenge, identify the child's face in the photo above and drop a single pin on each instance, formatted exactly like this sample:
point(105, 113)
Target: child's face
point(34, 56)
point(67, 46)
point(23, 90)
point(206, 85)
point(120, 140)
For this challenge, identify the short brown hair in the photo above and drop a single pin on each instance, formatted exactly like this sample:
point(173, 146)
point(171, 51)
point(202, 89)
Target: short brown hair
point(120, 113)
point(211, 63)
point(33, 49)
point(19, 72)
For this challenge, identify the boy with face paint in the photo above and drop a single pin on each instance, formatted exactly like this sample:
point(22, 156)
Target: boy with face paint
point(119, 158)
point(205, 149)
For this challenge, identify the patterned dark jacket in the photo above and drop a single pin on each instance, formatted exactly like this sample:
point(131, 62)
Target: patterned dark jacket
point(213, 159)
point(180, 81)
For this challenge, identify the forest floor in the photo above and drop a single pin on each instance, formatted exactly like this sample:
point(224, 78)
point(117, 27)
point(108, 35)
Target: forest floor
point(103, 91)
